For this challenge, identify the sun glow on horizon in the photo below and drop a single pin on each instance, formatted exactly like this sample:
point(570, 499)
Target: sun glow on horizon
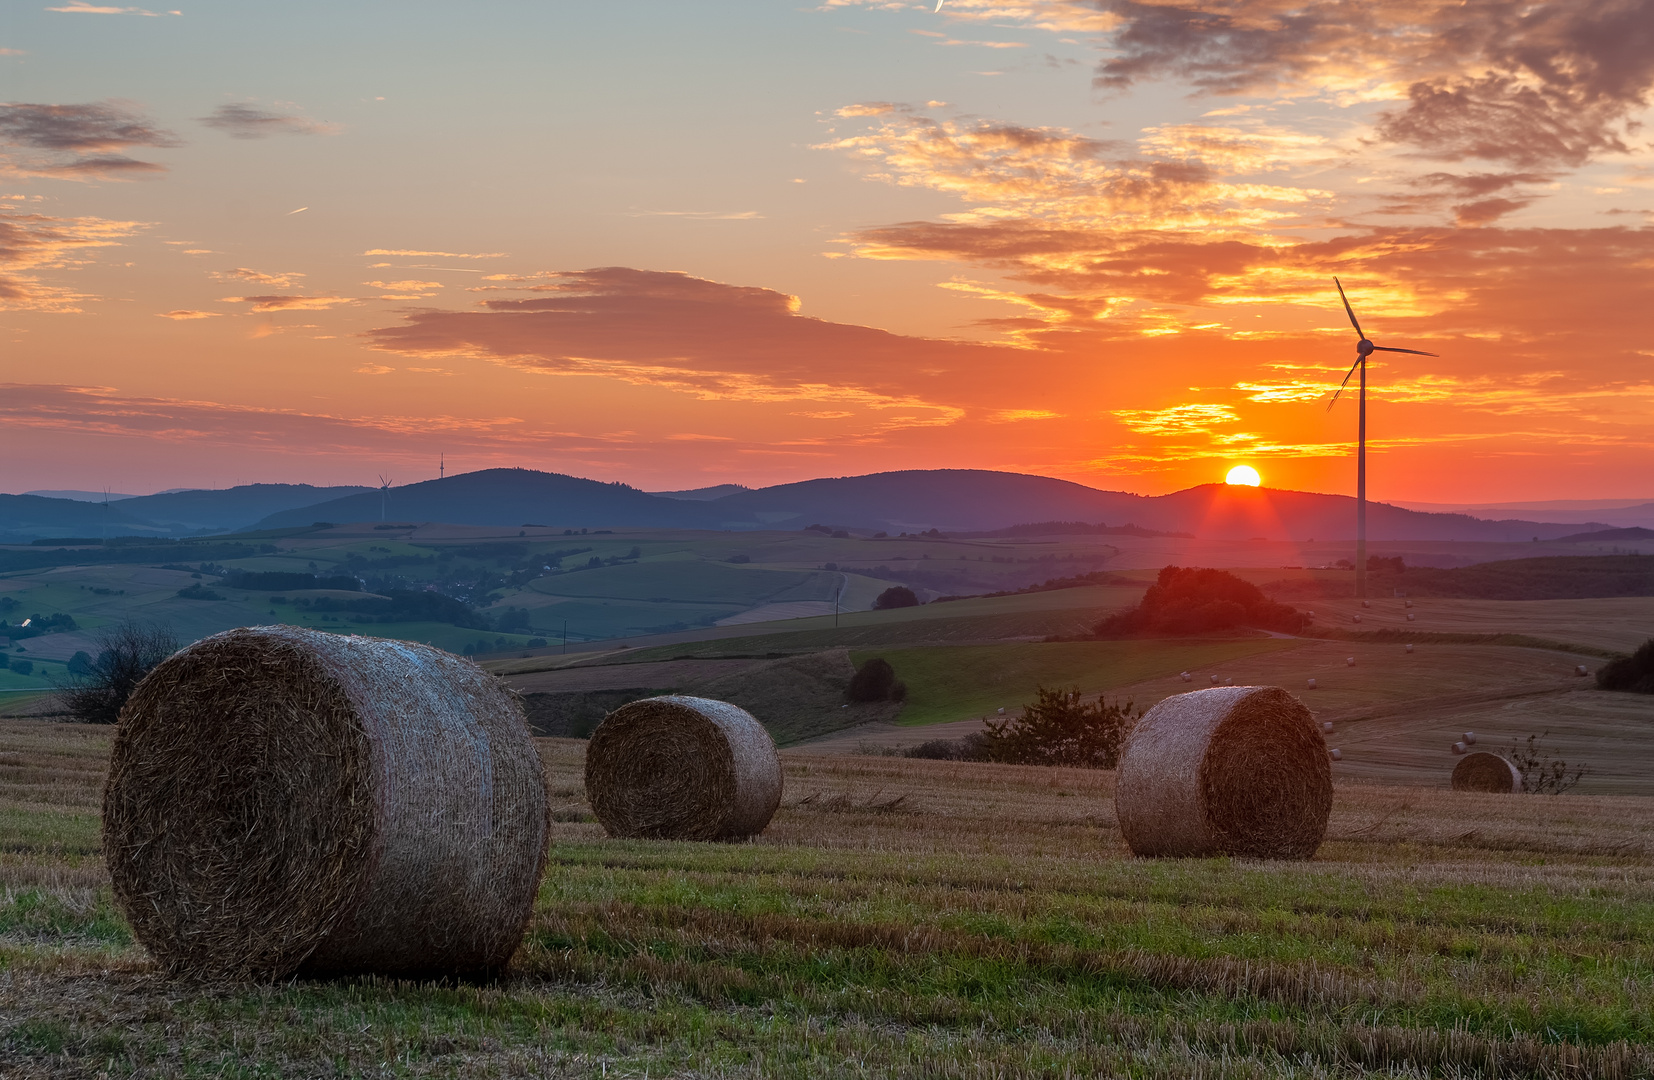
point(1244, 475)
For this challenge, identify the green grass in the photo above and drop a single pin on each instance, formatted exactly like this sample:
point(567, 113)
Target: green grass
point(960, 682)
point(992, 926)
point(31, 828)
point(686, 581)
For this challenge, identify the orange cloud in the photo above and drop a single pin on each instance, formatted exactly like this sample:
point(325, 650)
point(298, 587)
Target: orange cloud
point(30, 243)
point(291, 303)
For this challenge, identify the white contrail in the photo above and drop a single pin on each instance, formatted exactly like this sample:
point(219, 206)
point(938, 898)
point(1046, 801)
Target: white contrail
point(300, 210)
point(939, 4)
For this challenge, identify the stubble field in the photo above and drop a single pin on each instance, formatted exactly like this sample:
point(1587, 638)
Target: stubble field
point(907, 918)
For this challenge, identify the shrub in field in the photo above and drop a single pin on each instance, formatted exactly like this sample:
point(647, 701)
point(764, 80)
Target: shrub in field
point(970, 748)
point(126, 653)
point(876, 680)
point(1060, 729)
point(1634, 673)
point(1539, 776)
point(1190, 600)
point(894, 597)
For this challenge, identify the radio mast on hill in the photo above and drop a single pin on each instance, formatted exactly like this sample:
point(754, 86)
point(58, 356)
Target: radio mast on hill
point(1363, 349)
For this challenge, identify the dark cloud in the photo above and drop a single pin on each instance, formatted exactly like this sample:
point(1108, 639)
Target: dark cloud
point(251, 122)
point(1521, 82)
point(690, 334)
point(78, 142)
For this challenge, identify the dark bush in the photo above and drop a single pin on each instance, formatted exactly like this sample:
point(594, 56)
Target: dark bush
point(897, 596)
point(876, 680)
point(198, 592)
point(536, 642)
point(126, 653)
point(1634, 673)
point(1539, 775)
point(1060, 729)
point(1379, 564)
point(80, 664)
point(1195, 601)
point(970, 748)
point(23, 667)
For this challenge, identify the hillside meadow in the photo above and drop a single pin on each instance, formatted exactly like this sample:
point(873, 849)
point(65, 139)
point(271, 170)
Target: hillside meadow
point(906, 918)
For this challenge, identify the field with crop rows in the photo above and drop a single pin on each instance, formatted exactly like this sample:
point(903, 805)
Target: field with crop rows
point(907, 918)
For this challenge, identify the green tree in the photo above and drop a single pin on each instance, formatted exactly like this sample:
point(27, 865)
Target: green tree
point(1061, 729)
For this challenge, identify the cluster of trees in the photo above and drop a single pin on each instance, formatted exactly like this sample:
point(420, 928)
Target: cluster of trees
point(1191, 600)
point(36, 624)
point(897, 596)
point(1634, 673)
point(876, 680)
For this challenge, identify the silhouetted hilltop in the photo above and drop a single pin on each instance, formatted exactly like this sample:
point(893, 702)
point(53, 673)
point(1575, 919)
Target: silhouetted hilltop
point(951, 500)
point(228, 508)
point(509, 497)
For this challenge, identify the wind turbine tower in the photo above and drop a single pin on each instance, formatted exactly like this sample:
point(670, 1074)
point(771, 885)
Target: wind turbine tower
point(384, 494)
point(1363, 349)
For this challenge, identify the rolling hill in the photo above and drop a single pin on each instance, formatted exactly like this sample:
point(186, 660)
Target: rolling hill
point(951, 500)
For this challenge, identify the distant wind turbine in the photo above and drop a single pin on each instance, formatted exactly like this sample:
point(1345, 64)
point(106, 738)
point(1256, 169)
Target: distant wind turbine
point(1363, 349)
point(384, 493)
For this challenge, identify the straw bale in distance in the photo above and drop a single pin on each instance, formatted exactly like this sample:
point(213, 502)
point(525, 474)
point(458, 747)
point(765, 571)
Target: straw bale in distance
point(1482, 771)
point(682, 768)
point(1233, 770)
point(283, 801)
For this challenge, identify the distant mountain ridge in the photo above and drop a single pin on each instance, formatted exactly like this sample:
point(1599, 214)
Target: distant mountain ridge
point(951, 500)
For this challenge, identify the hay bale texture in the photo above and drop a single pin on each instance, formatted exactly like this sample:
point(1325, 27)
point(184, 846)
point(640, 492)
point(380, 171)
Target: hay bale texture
point(283, 801)
point(682, 768)
point(1483, 771)
point(1239, 770)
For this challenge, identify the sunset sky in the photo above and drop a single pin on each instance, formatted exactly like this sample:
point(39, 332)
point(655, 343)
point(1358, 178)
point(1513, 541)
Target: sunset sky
point(685, 243)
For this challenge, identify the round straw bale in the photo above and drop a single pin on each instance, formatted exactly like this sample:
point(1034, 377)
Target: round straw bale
point(283, 801)
point(1336, 754)
point(682, 768)
point(1312, 684)
point(1470, 738)
point(1237, 770)
point(1458, 747)
point(1482, 771)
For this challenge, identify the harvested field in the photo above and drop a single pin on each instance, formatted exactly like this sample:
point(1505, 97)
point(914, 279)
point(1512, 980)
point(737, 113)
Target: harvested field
point(915, 918)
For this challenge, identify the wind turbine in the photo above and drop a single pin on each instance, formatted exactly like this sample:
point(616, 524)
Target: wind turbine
point(384, 493)
point(1363, 349)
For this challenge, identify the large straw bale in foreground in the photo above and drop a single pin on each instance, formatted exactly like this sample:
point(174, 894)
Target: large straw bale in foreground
point(286, 801)
point(1233, 770)
point(1483, 771)
point(682, 768)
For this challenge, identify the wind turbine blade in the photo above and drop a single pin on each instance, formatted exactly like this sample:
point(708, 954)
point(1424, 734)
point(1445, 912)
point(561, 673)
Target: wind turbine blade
point(1347, 309)
point(1343, 384)
point(1415, 352)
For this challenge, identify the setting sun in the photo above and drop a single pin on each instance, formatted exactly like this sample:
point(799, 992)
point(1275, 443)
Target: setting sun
point(1243, 474)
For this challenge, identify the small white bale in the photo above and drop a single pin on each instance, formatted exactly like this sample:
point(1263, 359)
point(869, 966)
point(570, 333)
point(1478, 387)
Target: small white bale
point(1579, 669)
point(1409, 648)
point(1326, 726)
point(1470, 738)
point(1409, 616)
point(1356, 617)
point(1214, 680)
point(1407, 603)
point(1312, 684)
point(1349, 661)
point(1336, 754)
point(1366, 603)
point(1186, 677)
point(1459, 748)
